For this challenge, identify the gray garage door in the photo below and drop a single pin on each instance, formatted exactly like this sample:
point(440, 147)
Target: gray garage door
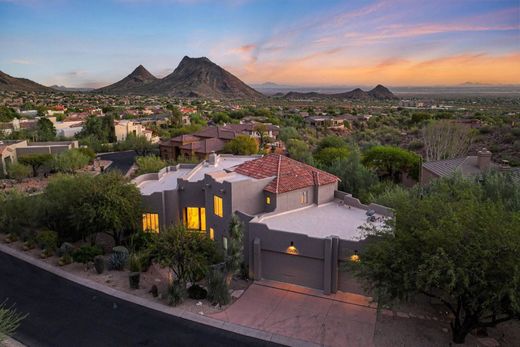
point(293, 269)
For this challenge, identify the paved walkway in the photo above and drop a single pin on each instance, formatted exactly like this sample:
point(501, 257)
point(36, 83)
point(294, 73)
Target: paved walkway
point(306, 314)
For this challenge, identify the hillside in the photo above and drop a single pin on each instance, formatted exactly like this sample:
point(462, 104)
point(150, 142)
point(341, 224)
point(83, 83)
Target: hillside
point(131, 84)
point(200, 77)
point(10, 83)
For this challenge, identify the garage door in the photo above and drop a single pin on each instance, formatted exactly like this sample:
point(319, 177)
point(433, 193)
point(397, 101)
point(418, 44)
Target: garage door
point(293, 269)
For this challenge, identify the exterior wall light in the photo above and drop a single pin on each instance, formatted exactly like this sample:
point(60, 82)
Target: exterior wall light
point(292, 249)
point(355, 257)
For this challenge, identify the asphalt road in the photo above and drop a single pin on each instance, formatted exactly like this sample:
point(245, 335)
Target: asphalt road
point(121, 161)
point(63, 313)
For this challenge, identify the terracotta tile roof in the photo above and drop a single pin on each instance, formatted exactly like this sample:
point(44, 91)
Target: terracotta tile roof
point(288, 174)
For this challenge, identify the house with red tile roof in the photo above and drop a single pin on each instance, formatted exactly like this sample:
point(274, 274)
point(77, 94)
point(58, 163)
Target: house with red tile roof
point(297, 224)
point(201, 144)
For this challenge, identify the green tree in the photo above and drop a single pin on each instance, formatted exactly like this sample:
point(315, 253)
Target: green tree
point(391, 162)
point(221, 118)
point(137, 143)
point(453, 242)
point(299, 150)
point(176, 117)
point(355, 177)
point(7, 114)
point(327, 156)
point(149, 164)
point(45, 130)
point(18, 211)
point(83, 205)
point(242, 145)
point(35, 161)
point(187, 254)
point(287, 133)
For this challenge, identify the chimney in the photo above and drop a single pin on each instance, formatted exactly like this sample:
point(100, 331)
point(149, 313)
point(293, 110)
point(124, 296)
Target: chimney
point(483, 159)
point(212, 158)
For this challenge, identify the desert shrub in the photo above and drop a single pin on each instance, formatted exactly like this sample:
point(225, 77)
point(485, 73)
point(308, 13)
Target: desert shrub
point(176, 293)
point(119, 258)
point(485, 129)
point(515, 132)
point(9, 321)
point(89, 153)
point(99, 264)
point(415, 145)
point(47, 240)
point(65, 249)
point(197, 292)
point(134, 262)
point(86, 253)
point(218, 291)
point(65, 260)
point(18, 171)
point(70, 161)
point(134, 278)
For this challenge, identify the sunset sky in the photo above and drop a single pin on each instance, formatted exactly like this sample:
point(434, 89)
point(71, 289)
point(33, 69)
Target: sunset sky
point(298, 42)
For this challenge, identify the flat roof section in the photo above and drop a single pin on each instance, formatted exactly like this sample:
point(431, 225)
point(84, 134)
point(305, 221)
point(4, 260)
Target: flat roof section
point(222, 163)
point(166, 182)
point(333, 218)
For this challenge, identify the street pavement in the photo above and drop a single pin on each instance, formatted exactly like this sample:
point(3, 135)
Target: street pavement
point(63, 313)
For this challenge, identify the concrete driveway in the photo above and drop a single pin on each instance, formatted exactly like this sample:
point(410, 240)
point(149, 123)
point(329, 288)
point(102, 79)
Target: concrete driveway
point(337, 320)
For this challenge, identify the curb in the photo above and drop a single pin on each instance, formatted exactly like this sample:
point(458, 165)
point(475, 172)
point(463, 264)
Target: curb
point(10, 342)
point(212, 322)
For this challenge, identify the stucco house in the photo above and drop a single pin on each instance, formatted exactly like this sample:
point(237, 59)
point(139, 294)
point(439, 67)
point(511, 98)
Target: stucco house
point(10, 151)
point(467, 166)
point(298, 227)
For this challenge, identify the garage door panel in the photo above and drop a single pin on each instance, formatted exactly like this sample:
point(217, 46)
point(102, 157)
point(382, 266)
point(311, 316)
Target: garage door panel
point(293, 269)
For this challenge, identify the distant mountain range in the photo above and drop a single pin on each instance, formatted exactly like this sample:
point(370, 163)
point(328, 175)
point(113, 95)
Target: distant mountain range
point(10, 83)
point(70, 89)
point(194, 77)
point(379, 92)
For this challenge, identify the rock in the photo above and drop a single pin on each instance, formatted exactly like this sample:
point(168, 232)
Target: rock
point(402, 315)
point(237, 294)
point(199, 303)
point(201, 313)
point(445, 330)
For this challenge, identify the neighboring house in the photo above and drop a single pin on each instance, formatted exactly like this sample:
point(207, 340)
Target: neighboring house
point(467, 166)
point(298, 227)
point(28, 113)
point(326, 122)
point(123, 128)
point(10, 151)
point(56, 110)
point(7, 128)
point(201, 144)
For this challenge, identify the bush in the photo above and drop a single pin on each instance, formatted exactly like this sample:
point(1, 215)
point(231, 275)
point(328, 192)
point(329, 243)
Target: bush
point(47, 240)
point(149, 163)
point(65, 249)
point(218, 291)
point(118, 258)
point(89, 153)
point(197, 292)
point(176, 293)
point(86, 253)
point(99, 264)
point(18, 171)
point(70, 161)
point(65, 260)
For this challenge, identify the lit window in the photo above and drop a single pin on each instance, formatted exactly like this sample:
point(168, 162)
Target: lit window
point(268, 200)
point(217, 206)
point(211, 233)
point(304, 197)
point(151, 222)
point(194, 218)
point(202, 219)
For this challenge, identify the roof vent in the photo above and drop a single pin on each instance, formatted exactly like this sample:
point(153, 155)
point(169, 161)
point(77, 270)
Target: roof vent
point(212, 158)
